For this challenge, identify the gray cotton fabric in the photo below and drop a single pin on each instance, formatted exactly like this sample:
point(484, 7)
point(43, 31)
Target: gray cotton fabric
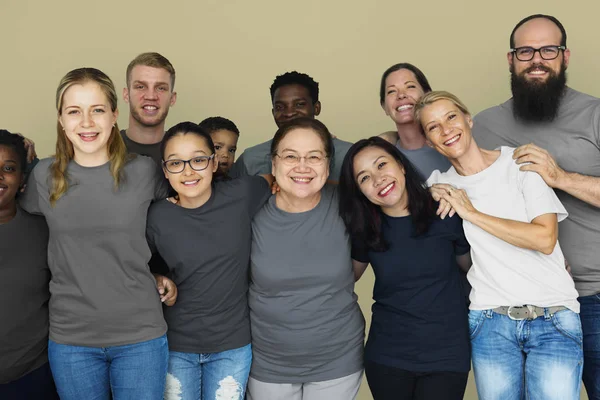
point(150, 150)
point(426, 160)
point(24, 294)
point(256, 160)
point(207, 250)
point(102, 291)
point(305, 319)
point(573, 139)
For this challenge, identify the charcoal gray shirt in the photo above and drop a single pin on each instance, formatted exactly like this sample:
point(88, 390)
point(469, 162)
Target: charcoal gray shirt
point(306, 322)
point(207, 250)
point(24, 294)
point(102, 291)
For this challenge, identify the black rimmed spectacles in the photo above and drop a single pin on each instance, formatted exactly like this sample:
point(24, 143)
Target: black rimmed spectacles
point(197, 164)
point(546, 52)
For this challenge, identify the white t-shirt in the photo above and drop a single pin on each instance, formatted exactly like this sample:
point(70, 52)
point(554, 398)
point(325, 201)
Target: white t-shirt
point(503, 274)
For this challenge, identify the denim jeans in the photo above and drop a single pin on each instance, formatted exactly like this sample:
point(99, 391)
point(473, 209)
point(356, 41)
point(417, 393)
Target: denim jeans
point(534, 359)
point(133, 371)
point(590, 321)
point(221, 375)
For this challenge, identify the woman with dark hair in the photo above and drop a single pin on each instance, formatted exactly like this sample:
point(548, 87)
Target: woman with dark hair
point(418, 345)
point(24, 278)
point(203, 234)
point(307, 327)
point(402, 86)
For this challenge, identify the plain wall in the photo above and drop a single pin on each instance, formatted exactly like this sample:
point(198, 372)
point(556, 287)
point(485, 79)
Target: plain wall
point(227, 53)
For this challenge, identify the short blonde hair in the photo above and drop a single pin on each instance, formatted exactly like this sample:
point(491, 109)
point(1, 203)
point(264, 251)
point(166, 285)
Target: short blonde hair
point(154, 60)
point(438, 95)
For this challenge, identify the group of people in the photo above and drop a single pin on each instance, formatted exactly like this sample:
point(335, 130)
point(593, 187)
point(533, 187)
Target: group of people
point(188, 274)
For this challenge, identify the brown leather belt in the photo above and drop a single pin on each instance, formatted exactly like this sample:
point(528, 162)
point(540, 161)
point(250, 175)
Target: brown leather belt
point(529, 312)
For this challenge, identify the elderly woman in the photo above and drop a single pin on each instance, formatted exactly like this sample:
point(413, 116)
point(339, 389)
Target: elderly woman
point(307, 328)
point(524, 325)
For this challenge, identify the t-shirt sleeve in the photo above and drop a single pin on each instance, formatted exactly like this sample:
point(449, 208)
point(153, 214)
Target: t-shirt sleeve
point(257, 193)
point(239, 168)
point(161, 184)
point(30, 199)
point(359, 251)
point(596, 125)
point(433, 178)
point(461, 245)
point(539, 198)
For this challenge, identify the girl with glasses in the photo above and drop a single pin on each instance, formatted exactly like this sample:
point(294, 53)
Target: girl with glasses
point(203, 233)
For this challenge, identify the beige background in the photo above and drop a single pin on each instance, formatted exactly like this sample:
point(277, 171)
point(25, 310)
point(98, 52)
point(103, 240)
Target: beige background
point(227, 53)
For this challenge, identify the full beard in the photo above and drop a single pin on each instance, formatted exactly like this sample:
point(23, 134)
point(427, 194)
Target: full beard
point(535, 101)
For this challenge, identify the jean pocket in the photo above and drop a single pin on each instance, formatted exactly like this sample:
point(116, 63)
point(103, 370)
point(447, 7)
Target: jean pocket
point(568, 323)
point(476, 318)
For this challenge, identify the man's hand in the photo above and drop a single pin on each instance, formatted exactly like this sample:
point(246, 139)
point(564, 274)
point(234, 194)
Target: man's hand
point(541, 162)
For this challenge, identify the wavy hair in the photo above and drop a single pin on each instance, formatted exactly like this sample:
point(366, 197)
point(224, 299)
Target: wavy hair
point(117, 152)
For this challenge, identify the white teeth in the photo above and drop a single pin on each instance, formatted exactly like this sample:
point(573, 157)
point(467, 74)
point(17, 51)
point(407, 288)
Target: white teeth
point(302, 179)
point(405, 107)
point(150, 108)
point(454, 139)
point(537, 72)
point(191, 182)
point(387, 189)
point(88, 135)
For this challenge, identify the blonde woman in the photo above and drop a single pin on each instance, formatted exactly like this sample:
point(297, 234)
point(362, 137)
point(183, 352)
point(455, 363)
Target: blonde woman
point(526, 338)
point(107, 332)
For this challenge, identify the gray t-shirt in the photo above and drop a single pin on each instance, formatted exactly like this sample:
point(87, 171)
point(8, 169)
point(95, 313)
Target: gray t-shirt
point(256, 160)
point(150, 150)
point(306, 322)
point(207, 250)
point(24, 294)
point(102, 291)
point(426, 160)
point(573, 139)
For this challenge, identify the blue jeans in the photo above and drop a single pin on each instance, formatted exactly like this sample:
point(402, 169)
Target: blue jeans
point(133, 371)
point(590, 321)
point(222, 375)
point(534, 359)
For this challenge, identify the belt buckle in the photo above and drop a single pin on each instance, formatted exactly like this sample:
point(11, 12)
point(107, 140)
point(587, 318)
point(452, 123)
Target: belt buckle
point(519, 313)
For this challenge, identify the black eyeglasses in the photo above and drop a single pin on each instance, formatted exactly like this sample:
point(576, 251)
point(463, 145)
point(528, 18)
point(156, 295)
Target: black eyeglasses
point(546, 52)
point(197, 164)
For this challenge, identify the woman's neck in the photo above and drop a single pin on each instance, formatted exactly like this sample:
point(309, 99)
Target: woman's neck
point(410, 136)
point(91, 160)
point(293, 204)
point(8, 212)
point(474, 160)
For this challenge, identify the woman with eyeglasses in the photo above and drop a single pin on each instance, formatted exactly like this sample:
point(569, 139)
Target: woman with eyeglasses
point(203, 234)
point(307, 327)
point(525, 331)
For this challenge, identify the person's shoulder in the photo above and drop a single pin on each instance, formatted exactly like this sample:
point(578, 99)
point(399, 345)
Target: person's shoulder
point(499, 110)
point(42, 169)
point(138, 162)
point(258, 150)
point(342, 144)
point(158, 208)
point(574, 98)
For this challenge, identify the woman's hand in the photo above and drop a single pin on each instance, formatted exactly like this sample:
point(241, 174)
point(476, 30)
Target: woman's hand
point(437, 191)
point(458, 200)
point(166, 289)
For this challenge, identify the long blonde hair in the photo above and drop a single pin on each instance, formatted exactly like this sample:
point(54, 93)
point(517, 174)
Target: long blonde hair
point(117, 152)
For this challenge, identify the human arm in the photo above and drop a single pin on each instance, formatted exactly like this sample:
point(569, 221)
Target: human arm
point(585, 188)
point(540, 234)
point(359, 268)
point(464, 261)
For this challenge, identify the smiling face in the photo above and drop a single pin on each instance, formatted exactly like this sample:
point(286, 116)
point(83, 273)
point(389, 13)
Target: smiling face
point(380, 177)
point(291, 102)
point(225, 147)
point(537, 33)
point(447, 128)
point(149, 95)
point(304, 179)
point(193, 187)
point(87, 120)
point(11, 178)
point(402, 92)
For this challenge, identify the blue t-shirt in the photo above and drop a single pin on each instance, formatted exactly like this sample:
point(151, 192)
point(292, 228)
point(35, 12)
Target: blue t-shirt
point(419, 320)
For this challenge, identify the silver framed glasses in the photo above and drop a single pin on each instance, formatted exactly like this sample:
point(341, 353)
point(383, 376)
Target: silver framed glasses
point(197, 164)
point(527, 53)
point(292, 159)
